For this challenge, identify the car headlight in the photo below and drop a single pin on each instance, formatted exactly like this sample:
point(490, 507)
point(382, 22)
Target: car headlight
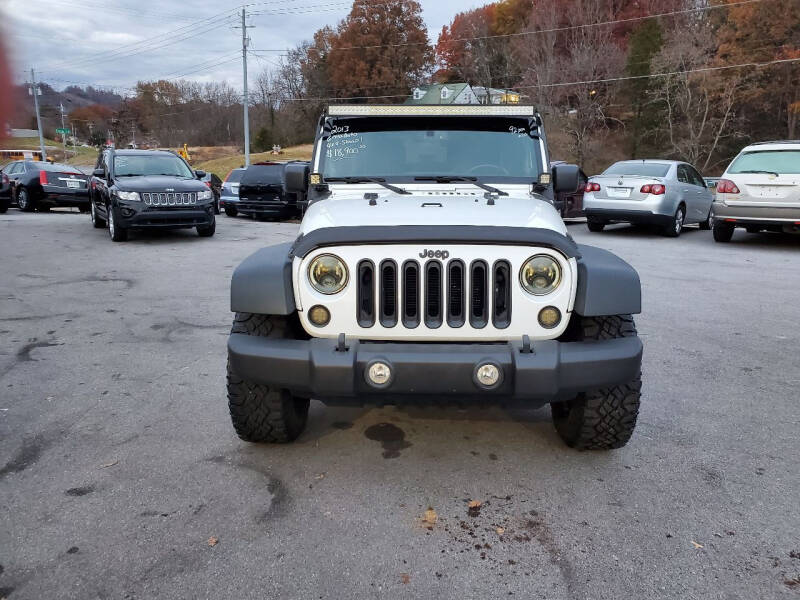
point(327, 274)
point(128, 196)
point(540, 275)
point(206, 195)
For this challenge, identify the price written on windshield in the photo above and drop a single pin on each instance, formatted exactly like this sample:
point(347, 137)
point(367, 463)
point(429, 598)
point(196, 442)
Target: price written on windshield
point(344, 145)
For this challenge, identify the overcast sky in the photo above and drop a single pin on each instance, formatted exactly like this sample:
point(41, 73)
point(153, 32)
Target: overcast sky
point(118, 42)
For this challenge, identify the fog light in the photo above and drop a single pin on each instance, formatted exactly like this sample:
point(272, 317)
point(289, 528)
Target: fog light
point(319, 315)
point(379, 373)
point(549, 317)
point(487, 375)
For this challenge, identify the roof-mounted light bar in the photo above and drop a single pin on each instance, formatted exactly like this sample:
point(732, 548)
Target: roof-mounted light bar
point(415, 110)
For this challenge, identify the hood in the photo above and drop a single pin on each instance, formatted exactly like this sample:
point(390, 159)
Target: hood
point(432, 208)
point(159, 183)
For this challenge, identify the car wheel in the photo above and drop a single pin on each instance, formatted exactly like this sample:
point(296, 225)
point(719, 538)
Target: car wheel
point(595, 226)
point(117, 233)
point(24, 201)
point(4, 204)
point(216, 207)
point(260, 413)
point(723, 232)
point(231, 211)
point(601, 419)
point(676, 226)
point(97, 222)
point(709, 222)
point(207, 231)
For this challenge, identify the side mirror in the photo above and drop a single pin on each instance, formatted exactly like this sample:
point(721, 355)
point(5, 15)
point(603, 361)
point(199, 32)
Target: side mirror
point(101, 173)
point(200, 173)
point(295, 177)
point(566, 178)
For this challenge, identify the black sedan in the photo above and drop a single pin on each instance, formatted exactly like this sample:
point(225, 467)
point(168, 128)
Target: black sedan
point(40, 186)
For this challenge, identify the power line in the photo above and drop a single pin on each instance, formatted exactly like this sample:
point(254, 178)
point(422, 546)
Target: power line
point(536, 31)
point(583, 82)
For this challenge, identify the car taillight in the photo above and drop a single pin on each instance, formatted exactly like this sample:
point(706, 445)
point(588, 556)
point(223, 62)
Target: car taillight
point(43, 177)
point(726, 186)
point(656, 189)
point(592, 187)
point(208, 184)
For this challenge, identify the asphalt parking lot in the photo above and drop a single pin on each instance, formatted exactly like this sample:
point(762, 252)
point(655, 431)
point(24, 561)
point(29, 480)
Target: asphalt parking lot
point(118, 463)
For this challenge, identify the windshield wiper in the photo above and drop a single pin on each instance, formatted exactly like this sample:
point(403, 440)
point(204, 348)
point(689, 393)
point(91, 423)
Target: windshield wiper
point(765, 172)
point(473, 180)
point(379, 180)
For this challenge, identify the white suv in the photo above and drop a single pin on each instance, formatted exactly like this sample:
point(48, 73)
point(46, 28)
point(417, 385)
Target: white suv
point(759, 191)
point(431, 266)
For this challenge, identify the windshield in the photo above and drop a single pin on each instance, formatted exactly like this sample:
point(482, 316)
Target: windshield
point(782, 162)
point(638, 168)
point(495, 149)
point(154, 164)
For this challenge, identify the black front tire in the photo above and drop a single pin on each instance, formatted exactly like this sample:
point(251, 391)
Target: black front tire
point(115, 231)
point(231, 211)
point(596, 226)
point(208, 230)
point(708, 223)
point(601, 419)
point(260, 413)
point(723, 232)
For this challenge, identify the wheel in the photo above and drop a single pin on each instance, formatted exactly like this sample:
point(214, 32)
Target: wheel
point(97, 222)
point(24, 201)
point(216, 206)
point(676, 225)
point(44, 208)
point(601, 419)
point(723, 232)
point(258, 412)
point(117, 233)
point(595, 226)
point(709, 222)
point(207, 231)
point(4, 203)
point(231, 211)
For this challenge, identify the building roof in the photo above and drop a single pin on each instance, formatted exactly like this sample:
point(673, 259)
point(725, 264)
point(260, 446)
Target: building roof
point(433, 93)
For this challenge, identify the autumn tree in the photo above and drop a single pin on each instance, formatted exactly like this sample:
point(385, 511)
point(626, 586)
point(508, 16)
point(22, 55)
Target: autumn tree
point(380, 49)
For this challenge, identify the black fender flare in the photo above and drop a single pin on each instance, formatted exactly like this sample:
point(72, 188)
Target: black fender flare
point(607, 285)
point(262, 283)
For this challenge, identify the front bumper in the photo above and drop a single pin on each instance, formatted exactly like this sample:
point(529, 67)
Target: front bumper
point(319, 368)
point(639, 217)
point(132, 216)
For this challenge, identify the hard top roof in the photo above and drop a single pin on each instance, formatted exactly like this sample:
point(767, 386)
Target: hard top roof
point(432, 110)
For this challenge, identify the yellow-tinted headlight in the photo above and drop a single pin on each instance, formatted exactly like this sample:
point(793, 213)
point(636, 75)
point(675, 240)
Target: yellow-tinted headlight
point(327, 274)
point(540, 275)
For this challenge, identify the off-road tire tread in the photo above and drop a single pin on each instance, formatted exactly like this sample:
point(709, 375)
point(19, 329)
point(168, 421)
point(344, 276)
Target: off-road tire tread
point(605, 418)
point(259, 413)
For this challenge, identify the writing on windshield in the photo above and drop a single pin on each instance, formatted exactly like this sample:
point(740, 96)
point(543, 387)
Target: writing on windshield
point(489, 148)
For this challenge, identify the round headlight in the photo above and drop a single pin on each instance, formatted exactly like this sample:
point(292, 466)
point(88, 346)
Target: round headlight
point(327, 274)
point(540, 275)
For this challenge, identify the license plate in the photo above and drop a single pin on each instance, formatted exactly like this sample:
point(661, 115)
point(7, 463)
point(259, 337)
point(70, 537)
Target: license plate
point(616, 192)
point(73, 183)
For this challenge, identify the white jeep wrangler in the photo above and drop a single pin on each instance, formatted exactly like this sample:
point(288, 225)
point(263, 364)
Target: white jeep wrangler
point(431, 266)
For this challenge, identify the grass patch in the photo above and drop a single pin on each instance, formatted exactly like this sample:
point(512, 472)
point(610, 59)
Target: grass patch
point(222, 166)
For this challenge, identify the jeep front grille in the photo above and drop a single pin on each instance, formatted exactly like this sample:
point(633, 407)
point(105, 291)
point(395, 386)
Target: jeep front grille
point(450, 293)
point(169, 198)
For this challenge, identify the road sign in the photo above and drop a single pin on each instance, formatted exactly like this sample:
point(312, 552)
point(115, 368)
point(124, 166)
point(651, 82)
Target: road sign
point(65, 131)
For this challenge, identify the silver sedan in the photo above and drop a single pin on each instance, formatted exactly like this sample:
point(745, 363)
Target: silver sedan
point(666, 193)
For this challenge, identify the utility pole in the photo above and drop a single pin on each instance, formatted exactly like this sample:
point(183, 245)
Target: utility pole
point(133, 134)
point(246, 101)
point(35, 91)
point(63, 134)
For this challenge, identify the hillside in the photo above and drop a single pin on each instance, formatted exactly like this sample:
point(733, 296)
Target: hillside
point(222, 166)
point(84, 156)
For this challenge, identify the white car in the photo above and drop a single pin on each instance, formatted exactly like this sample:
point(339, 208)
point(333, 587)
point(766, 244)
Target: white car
point(760, 190)
point(431, 266)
